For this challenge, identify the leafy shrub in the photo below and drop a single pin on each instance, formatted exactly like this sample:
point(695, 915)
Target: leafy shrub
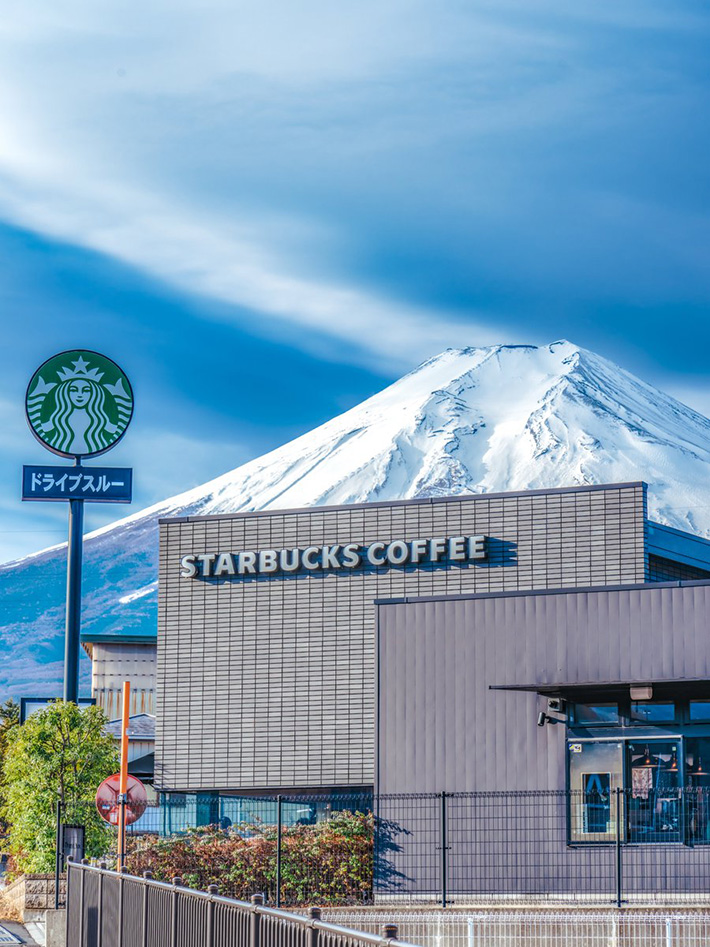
point(329, 863)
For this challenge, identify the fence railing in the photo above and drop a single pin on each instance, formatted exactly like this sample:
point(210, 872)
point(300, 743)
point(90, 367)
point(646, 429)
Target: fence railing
point(449, 848)
point(540, 928)
point(111, 909)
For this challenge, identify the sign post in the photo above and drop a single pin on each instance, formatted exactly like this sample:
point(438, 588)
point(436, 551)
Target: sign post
point(78, 404)
point(123, 787)
point(73, 618)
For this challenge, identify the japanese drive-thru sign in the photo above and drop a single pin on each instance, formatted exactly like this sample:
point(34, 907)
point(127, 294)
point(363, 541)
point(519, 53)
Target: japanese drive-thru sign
point(100, 484)
point(79, 404)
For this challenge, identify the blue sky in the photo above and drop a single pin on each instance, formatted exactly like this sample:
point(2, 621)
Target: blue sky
point(267, 211)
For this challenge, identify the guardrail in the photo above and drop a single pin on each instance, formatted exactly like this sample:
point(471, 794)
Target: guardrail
point(111, 909)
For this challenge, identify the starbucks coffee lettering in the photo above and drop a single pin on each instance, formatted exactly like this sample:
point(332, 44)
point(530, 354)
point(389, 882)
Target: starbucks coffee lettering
point(326, 557)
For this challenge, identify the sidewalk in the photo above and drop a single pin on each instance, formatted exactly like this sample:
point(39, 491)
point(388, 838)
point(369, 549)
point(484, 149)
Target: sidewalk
point(22, 933)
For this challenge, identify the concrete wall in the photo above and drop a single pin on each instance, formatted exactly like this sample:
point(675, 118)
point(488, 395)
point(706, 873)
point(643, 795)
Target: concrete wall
point(269, 681)
point(29, 896)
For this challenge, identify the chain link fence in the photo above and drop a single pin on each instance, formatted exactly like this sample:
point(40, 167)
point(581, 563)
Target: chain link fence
point(509, 848)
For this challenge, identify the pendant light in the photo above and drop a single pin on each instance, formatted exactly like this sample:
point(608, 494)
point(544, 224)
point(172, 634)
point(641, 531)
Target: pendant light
point(647, 761)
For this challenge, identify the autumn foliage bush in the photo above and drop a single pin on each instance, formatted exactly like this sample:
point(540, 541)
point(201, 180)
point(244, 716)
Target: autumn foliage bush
point(330, 862)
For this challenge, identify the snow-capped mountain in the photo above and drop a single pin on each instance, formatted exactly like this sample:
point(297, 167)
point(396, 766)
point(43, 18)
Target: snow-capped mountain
point(506, 417)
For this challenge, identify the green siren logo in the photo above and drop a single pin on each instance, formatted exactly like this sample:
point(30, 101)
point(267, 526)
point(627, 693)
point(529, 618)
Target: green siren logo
point(79, 404)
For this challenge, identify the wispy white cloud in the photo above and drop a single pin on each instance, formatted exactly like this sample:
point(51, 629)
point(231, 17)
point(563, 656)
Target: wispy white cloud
point(198, 142)
point(91, 100)
point(220, 260)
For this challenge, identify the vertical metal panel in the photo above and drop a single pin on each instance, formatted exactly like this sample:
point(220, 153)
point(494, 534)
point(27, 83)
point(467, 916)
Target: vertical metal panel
point(439, 724)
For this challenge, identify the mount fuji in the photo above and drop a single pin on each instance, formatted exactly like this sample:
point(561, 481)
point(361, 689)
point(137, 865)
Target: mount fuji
point(473, 420)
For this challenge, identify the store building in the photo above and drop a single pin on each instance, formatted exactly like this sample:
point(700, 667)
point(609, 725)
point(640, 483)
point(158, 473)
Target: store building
point(411, 646)
point(118, 658)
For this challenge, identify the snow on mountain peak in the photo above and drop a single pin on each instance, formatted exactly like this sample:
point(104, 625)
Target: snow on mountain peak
point(470, 420)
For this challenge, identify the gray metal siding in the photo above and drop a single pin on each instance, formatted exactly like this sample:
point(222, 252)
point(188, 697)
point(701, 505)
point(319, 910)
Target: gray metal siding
point(268, 681)
point(441, 727)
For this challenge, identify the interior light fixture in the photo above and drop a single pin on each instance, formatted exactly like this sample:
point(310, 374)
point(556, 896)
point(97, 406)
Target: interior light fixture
point(647, 760)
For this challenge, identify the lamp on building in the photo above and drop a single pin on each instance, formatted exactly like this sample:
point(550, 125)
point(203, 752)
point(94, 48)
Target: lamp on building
point(697, 768)
point(646, 760)
point(672, 765)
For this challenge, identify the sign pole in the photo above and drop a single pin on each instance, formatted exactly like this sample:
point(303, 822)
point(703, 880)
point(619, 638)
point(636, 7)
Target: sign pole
point(73, 622)
point(123, 785)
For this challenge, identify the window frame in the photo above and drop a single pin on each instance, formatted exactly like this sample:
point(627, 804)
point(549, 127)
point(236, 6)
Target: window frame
point(626, 739)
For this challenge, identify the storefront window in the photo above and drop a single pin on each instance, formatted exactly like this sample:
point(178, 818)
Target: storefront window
point(652, 712)
point(595, 770)
point(699, 711)
point(599, 715)
point(697, 794)
point(654, 806)
point(656, 780)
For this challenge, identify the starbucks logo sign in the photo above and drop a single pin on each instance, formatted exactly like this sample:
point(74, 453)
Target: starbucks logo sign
point(79, 404)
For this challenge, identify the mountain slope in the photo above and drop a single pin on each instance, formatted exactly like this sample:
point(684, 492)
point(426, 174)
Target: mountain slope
point(469, 420)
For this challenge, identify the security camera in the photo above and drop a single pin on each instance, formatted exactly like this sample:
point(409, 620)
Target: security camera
point(556, 705)
point(542, 718)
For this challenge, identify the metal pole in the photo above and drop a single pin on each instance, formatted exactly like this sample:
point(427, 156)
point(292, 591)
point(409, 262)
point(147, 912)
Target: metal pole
point(100, 909)
point(73, 622)
point(146, 874)
point(58, 856)
point(444, 849)
point(123, 779)
point(618, 847)
point(68, 896)
point(84, 861)
point(212, 890)
point(279, 826)
point(121, 832)
point(177, 881)
point(120, 908)
point(257, 901)
point(315, 915)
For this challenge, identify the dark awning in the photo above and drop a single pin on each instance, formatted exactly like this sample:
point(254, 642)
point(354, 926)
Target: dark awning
point(661, 689)
point(143, 766)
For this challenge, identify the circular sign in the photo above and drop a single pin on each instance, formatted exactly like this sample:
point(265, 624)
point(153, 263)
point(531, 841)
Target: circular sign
point(108, 805)
point(79, 404)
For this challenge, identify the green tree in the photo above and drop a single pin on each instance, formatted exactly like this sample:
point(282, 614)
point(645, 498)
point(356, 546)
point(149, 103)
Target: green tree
point(59, 753)
point(9, 718)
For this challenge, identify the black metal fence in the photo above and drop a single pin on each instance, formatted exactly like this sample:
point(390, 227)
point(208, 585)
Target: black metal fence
point(110, 909)
point(615, 847)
